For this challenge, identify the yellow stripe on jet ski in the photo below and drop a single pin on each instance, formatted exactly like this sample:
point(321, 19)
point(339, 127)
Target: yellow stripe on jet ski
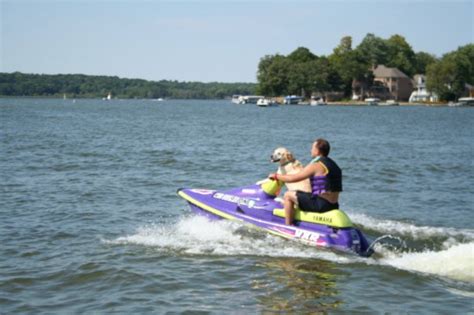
point(335, 218)
point(206, 207)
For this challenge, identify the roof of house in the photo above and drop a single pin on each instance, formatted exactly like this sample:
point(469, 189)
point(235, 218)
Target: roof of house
point(384, 72)
point(416, 76)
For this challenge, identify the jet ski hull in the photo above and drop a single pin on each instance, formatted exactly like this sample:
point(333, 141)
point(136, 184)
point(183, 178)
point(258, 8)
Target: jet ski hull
point(253, 206)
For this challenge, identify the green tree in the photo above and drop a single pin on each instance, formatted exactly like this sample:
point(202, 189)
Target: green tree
point(342, 59)
point(373, 50)
point(320, 75)
point(19, 84)
point(345, 46)
point(349, 65)
point(301, 55)
point(299, 73)
point(448, 77)
point(400, 55)
point(440, 78)
point(273, 75)
point(423, 60)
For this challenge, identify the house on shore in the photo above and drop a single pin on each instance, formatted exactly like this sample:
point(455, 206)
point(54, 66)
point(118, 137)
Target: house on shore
point(421, 94)
point(399, 85)
point(388, 84)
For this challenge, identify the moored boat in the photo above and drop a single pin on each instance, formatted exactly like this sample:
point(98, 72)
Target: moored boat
point(463, 101)
point(246, 99)
point(108, 98)
point(318, 102)
point(389, 103)
point(293, 99)
point(265, 102)
point(372, 101)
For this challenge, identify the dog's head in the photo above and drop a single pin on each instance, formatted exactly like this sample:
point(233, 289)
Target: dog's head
point(282, 155)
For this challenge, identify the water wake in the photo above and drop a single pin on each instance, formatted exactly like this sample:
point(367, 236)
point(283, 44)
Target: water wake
point(196, 235)
point(412, 231)
point(455, 262)
point(441, 251)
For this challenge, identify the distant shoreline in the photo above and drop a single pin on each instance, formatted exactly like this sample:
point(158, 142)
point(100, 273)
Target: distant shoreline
point(342, 103)
point(339, 103)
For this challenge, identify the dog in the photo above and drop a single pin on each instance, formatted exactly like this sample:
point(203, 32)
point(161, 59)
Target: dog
point(289, 165)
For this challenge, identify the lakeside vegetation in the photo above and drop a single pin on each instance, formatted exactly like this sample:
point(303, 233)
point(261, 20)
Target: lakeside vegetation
point(298, 73)
point(304, 73)
point(88, 86)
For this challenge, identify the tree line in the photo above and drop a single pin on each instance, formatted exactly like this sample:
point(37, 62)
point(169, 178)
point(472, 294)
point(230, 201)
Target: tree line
point(304, 73)
point(87, 86)
point(298, 73)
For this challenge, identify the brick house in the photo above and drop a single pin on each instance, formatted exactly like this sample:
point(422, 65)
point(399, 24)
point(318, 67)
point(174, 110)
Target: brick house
point(399, 85)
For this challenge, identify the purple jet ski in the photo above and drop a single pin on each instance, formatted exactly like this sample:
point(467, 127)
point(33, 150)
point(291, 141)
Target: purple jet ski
point(257, 205)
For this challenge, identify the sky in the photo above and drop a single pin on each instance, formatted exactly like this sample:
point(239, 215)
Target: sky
point(210, 41)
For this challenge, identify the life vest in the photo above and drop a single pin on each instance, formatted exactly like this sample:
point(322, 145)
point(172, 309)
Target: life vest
point(332, 181)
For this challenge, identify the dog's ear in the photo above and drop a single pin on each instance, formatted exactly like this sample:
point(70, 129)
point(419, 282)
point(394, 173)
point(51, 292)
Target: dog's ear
point(290, 157)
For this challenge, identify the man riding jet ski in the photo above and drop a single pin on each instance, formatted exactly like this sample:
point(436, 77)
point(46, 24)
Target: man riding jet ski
point(326, 183)
point(258, 206)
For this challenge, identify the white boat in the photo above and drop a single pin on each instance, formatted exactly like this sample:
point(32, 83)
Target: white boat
point(293, 99)
point(372, 101)
point(108, 98)
point(265, 102)
point(318, 102)
point(237, 99)
point(463, 101)
point(389, 103)
point(251, 99)
point(246, 99)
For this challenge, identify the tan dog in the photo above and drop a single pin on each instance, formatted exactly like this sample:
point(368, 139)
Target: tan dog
point(290, 165)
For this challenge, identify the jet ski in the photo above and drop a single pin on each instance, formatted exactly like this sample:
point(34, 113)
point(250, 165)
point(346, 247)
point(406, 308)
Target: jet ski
point(257, 205)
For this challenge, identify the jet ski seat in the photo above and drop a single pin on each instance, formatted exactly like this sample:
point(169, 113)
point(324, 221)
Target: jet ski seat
point(334, 218)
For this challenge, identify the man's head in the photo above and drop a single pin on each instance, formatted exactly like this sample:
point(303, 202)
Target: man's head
point(320, 147)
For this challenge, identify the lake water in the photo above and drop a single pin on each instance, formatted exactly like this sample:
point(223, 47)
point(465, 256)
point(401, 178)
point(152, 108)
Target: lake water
point(90, 221)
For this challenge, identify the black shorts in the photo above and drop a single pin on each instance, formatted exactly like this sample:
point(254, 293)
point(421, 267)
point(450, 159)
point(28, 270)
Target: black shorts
point(308, 202)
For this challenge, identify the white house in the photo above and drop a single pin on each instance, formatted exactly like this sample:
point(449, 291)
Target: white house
point(421, 94)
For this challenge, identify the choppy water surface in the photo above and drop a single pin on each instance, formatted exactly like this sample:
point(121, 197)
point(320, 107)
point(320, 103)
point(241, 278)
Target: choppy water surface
point(90, 221)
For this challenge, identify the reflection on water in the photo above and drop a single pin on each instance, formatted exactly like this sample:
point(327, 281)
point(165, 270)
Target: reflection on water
point(296, 284)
